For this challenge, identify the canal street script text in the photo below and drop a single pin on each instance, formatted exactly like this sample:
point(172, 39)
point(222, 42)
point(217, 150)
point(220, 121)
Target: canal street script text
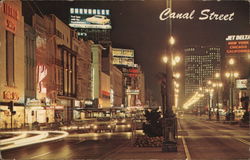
point(206, 14)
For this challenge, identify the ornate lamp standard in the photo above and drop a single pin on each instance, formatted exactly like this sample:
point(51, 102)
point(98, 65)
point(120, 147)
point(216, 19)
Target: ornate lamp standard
point(209, 103)
point(231, 75)
point(210, 99)
point(217, 85)
point(169, 125)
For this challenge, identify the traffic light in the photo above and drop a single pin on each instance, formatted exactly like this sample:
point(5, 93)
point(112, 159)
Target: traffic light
point(10, 107)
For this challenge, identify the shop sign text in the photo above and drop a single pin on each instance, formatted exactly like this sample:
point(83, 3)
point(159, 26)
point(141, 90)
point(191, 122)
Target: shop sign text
point(11, 17)
point(9, 95)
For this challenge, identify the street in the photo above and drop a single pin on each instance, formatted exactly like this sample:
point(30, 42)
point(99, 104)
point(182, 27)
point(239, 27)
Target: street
point(213, 140)
point(204, 140)
point(87, 146)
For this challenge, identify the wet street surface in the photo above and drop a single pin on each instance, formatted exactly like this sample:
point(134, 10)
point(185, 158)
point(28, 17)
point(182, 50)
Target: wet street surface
point(203, 140)
point(88, 146)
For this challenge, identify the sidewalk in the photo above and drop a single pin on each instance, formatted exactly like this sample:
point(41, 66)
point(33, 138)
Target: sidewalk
point(130, 152)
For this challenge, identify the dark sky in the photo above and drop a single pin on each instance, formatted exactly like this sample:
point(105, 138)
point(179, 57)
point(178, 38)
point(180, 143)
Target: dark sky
point(136, 25)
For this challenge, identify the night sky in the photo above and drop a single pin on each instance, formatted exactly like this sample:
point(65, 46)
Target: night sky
point(136, 25)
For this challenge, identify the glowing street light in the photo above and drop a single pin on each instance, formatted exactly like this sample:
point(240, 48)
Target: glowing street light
point(217, 75)
point(172, 40)
point(231, 61)
point(227, 74)
point(209, 82)
point(177, 59)
point(165, 59)
point(236, 74)
point(177, 85)
point(177, 75)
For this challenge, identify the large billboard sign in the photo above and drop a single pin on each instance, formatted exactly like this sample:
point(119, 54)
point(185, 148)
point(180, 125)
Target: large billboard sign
point(90, 18)
point(126, 61)
point(122, 52)
point(238, 44)
point(241, 83)
point(123, 57)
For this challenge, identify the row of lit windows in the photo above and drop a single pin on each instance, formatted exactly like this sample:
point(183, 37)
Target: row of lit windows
point(189, 49)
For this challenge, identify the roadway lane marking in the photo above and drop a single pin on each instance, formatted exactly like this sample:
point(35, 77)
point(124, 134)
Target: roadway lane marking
point(40, 155)
point(184, 142)
point(242, 140)
point(186, 148)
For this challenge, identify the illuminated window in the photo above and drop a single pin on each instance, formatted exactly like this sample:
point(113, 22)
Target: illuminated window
point(94, 11)
point(72, 10)
point(81, 11)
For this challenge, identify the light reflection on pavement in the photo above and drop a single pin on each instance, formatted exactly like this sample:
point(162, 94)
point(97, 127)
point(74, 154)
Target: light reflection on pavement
point(74, 146)
point(24, 138)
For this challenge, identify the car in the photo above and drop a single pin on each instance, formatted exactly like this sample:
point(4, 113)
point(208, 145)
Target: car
point(239, 113)
point(98, 19)
point(103, 124)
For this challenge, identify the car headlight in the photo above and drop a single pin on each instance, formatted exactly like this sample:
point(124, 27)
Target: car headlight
point(128, 125)
point(109, 126)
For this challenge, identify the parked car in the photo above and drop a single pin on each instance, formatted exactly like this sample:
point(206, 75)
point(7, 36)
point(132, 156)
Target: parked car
point(239, 113)
point(98, 19)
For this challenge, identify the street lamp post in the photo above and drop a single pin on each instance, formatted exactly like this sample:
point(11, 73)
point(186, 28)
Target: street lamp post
point(169, 124)
point(210, 101)
point(231, 75)
point(218, 85)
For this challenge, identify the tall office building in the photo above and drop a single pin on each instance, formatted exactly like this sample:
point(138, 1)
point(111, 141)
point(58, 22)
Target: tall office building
point(201, 64)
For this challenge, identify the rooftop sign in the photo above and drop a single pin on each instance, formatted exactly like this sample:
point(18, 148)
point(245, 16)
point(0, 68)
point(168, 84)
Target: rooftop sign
point(238, 44)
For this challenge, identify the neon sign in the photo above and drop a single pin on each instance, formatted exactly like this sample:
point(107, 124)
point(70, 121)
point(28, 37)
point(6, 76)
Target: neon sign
point(236, 44)
point(8, 95)
point(11, 17)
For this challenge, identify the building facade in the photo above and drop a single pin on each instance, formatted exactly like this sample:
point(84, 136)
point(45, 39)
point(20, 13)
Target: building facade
point(141, 86)
point(96, 73)
point(12, 86)
point(116, 93)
